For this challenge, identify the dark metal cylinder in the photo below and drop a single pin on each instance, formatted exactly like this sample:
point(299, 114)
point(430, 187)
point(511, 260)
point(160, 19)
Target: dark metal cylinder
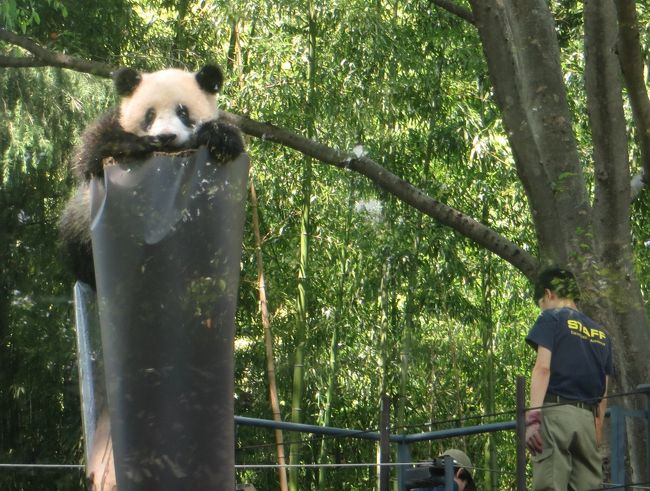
point(167, 237)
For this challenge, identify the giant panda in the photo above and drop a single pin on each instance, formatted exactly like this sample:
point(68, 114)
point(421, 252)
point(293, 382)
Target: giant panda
point(163, 111)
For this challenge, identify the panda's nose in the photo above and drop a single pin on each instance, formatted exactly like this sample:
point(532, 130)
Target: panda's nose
point(166, 138)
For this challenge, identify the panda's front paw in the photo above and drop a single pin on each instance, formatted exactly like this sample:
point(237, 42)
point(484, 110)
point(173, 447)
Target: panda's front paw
point(223, 141)
point(150, 140)
point(151, 143)
point(128, 145)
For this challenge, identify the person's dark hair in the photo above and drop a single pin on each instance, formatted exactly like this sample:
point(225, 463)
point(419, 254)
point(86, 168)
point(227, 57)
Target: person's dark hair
point(560, 281)
point(464, 475)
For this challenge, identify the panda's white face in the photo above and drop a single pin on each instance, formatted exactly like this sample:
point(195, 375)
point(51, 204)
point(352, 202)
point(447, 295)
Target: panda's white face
point(168, 105)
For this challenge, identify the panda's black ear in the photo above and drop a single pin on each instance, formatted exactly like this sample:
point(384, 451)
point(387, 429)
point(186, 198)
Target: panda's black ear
point(210, 78)
point(126, 80)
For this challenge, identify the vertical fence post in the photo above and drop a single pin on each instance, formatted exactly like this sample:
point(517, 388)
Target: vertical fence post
point(449, 473)
point(403, 456)
point(646, 389)
point(384, 443)
point(617, 445)
point(521, 433)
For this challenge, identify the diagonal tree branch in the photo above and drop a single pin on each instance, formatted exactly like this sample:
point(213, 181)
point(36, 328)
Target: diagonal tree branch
point(631, 61)
point(18, 62)
point(405, 191)
point(47, 57)
point(457, 10)
point(522, 53)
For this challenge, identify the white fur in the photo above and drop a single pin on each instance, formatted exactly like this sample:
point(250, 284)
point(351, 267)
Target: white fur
point(167, 122)
point(164, 91)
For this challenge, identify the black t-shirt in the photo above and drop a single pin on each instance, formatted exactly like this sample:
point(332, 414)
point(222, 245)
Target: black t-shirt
point(581, 353)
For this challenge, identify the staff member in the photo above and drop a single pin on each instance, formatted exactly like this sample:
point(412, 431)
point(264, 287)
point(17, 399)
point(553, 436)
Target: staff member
point(569, 379)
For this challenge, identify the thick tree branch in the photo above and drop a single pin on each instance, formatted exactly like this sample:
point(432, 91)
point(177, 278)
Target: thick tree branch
point(457, 10)
point(406, 192)
point(631, 61)
point(520, 46)
point(15, 62)
point(48, 58)
point(386, 180)
point(607, 121)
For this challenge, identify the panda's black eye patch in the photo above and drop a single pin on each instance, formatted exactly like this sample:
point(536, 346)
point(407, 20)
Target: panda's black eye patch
point(184, 115)
point(149, 118)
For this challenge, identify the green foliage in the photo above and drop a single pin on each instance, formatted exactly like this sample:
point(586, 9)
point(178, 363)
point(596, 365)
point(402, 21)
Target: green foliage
point(43, 110)
point(23, 15)
point(430, 126)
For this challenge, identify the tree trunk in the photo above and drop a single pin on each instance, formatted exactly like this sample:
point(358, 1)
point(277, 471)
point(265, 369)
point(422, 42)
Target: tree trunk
point(334, 342)
point(487, 337)
point(410, 311)
point(385, 301)
point(632, 65)
point(523, 59)
point(303, 283)
point(619, 303)
point(407, 326)
point(268, 340)
point(236, 63)
point(522, 53)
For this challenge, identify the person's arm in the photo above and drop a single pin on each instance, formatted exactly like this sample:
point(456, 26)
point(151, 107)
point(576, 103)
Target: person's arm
point(540, 376)
point(538, 384)
point(600, 417)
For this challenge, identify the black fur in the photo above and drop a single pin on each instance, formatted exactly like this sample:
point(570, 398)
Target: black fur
point(126, 80)
point(106, 138)
point(223, 141)
point(210, 78)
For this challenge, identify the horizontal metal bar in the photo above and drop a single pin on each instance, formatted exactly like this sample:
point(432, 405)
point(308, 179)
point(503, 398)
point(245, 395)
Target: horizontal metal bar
point(467, 430)
point(373, 435)
point(305, 428)
point(41, 466)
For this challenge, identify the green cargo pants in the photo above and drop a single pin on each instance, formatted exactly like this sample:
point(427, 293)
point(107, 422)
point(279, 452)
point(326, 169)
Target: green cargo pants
point(569, 459)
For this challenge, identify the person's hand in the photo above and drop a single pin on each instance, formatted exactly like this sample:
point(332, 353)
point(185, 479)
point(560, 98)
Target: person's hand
point(533, 431)
point(598, 423)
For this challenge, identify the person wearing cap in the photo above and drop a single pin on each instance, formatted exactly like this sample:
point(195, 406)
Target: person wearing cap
point(567, 388)
point(463, 480)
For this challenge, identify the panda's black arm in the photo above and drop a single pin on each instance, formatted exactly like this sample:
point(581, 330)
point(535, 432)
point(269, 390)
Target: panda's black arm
point(224, 141)
point(106, 138)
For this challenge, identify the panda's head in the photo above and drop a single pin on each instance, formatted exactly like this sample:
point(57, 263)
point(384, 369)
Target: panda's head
point(168, 104)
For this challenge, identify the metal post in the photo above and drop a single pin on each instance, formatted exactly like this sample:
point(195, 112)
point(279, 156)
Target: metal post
point(646, 389)
point(521, 433)
point(617, 445)
point(403, 456)
point(384, 443)
point(449, 473)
